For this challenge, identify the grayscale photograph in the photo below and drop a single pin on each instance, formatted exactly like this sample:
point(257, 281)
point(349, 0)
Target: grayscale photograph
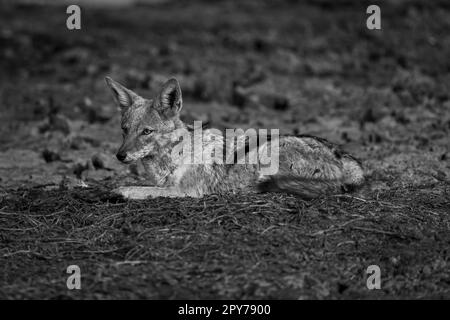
point(226, 150)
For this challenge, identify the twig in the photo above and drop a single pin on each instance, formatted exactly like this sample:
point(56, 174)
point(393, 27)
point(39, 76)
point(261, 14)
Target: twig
point(377, 231)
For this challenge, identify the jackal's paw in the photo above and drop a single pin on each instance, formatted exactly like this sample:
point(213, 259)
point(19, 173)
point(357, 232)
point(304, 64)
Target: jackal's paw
point(130, 193)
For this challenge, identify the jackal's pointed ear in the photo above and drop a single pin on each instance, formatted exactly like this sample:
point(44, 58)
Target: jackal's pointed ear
point(123, 96)
point(169, 99)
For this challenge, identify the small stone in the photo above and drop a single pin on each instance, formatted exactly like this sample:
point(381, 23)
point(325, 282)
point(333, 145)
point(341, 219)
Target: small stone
point(103, 161)
point(426, 270)
point(69, 183)
point(79, 168)
point(50, 155)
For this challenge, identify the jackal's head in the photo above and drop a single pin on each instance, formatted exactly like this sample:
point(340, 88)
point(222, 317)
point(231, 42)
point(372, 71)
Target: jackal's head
point(148, 125)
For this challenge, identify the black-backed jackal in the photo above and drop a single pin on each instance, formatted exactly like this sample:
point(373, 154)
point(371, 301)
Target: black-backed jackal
point(307, 166)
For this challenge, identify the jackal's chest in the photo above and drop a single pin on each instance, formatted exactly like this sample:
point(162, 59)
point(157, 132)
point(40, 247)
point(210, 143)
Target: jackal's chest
point(158, 173)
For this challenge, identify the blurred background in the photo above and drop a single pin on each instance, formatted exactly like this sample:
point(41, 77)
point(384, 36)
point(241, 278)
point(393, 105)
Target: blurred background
point(300, 66)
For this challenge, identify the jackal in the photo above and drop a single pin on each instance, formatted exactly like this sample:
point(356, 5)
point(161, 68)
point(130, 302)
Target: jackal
point(307, 166)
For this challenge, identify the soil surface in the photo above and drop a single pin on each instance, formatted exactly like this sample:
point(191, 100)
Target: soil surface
point(310, 67)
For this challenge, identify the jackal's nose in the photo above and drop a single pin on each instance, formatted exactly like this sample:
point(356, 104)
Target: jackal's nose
point(121, 156)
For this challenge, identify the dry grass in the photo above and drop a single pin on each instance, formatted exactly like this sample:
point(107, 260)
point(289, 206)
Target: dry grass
point(231, 246)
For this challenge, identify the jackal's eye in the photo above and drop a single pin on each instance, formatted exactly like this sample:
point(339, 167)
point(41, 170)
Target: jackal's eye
point(125, 131)
point(147, 131)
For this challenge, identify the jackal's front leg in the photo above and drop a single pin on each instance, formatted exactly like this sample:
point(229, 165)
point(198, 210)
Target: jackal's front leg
point(140, 193)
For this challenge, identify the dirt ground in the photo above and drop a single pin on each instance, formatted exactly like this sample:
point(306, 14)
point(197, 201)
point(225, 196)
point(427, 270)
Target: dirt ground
point(310, 67)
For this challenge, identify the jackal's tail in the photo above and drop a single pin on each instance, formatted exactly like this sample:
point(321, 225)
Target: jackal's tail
point(306, 188)
point(352, 179)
